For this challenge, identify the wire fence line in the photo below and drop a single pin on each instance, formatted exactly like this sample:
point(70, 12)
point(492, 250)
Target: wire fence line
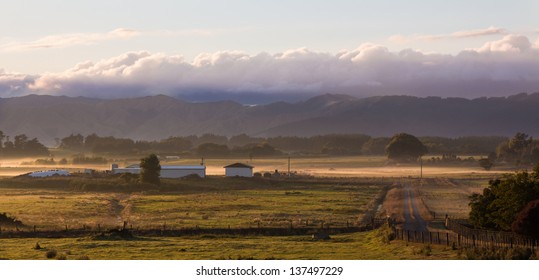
point(459, 234)
point(166, 230)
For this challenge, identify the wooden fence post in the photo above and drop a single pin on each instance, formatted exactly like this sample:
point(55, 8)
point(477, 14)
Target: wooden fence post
point(511, 240)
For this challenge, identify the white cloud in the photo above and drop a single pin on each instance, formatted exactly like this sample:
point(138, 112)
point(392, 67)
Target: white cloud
point(68, 40)
point(500, 67)
point(509, 44)
point(463, 34)
point(479, 32)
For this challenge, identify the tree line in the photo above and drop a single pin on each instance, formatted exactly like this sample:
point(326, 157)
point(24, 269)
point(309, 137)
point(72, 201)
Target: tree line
point(521, 149)
point(21, 146)
point(333, 144)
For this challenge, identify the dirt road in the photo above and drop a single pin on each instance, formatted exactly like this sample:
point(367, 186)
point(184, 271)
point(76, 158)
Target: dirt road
point(412, 216)
point(405, 207)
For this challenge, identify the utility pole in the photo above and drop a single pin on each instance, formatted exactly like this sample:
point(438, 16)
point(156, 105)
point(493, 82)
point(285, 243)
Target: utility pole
point(421, 169)
point(289, 167)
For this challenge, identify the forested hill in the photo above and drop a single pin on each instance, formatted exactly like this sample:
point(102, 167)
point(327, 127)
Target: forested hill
point(157, 117)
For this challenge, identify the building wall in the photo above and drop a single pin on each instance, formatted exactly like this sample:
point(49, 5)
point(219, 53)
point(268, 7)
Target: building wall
point(178, 173)
point(242, 172)
point(165, 173)
point(125, 170)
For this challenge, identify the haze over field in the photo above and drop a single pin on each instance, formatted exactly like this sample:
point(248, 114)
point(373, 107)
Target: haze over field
point(263, 52)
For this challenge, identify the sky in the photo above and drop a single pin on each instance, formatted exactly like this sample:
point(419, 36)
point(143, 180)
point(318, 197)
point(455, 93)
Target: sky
point(268, 50)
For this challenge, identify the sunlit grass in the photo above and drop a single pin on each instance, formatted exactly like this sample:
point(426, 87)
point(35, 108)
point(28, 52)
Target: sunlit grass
point(356, 246)
point(211, 202)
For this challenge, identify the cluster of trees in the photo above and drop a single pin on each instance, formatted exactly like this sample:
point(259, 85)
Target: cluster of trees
point(509, 203)
point(521, 150)
point(21, 146)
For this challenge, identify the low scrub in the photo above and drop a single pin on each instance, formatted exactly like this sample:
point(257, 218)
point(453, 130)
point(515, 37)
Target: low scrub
point(498, 254)
point(51, 254)
point(6, 220)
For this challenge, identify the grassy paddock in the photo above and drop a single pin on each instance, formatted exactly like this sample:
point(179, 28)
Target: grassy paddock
point(356, 246)
point(211, 202)
point(451, 195)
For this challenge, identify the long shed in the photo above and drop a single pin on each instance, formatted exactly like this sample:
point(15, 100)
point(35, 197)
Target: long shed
point(167, 171)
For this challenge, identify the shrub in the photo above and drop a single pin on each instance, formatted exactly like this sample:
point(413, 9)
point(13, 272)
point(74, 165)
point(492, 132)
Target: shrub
point(527, 221)
point(50, 254)
point(486, 163)
point(6, 220)
point(386, 234)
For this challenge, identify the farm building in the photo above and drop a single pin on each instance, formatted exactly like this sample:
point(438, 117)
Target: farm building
point(239, 169)
point(167, 171)
point(49, 173)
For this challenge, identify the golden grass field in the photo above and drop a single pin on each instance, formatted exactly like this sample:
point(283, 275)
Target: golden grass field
point(256, 206)
point(341, 191)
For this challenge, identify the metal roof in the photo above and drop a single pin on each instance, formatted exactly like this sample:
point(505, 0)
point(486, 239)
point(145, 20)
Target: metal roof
point(169, 167)
point(239, 165)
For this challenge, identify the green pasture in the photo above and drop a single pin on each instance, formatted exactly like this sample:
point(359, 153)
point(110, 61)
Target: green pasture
point(356, 246)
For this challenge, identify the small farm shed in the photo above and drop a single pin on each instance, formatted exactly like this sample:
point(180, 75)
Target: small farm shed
point(239, 169)
point(167, 171)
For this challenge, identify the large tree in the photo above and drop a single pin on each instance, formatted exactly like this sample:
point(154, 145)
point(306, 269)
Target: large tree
point(150, 169)
point(404, 147)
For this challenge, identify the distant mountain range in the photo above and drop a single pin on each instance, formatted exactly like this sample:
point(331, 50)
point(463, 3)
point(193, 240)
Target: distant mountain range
point(158, 117)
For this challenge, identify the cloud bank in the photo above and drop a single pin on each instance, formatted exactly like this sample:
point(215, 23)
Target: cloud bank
point(506, 66)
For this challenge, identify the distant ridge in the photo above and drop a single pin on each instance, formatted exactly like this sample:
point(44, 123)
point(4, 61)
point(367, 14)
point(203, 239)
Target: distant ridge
point(157, 117)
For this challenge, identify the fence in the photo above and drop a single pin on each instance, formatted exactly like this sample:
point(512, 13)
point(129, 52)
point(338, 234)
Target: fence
point(460, 235)
point(164, 230)
point(480, 237)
